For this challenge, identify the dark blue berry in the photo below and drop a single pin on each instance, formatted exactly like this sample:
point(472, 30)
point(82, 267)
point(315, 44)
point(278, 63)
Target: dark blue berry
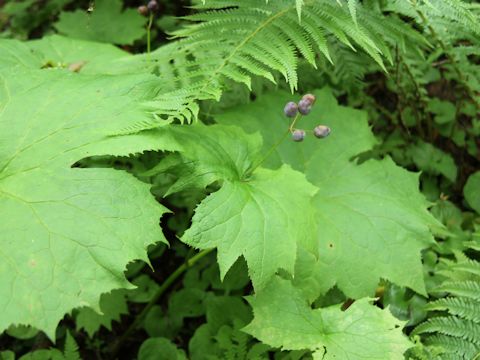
point(321, 131)
point(309, 98)
point(290, 109)
point(304, 107)
point(298, 135)
point(143, 10)
point(152, 5)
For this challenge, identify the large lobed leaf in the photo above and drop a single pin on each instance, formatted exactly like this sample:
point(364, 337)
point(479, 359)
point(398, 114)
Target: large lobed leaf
point(262, 217)
point(372, 220)
point(67, 233)
point(282, 318)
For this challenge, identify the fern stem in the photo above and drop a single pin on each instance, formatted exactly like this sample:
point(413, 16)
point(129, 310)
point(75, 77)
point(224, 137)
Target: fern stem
point(149, 28)
point(165, 285)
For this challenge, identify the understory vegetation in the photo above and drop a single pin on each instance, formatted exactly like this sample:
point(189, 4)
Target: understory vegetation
point(240, 179)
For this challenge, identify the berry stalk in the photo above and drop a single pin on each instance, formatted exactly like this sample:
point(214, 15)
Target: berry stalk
point(274, 146)
point(267, 155)
point(291, 128)
point(149, 27)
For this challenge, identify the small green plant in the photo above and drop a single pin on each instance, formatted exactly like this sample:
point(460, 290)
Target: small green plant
point(181, 203)
point(452, 332)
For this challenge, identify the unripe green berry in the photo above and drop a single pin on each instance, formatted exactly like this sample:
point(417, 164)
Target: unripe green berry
point(152, 5)
point(298, 135)
point(290, 109)
point(143, 10)
point(321, 131)
point(304, 107)
point(309, 98)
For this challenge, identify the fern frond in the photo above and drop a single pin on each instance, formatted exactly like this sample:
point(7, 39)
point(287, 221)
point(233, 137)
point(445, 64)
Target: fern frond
point(299, 5)
point(452, 326)
point(241, 340)
point(349, 69)
point(70, 351)
point(352, 7)
point(448, 17)
point(455, 346)
point(258, 38)
point(468, 288)
point(463, 307)
point(458, 333)
point(454, 10)
point(467, 266)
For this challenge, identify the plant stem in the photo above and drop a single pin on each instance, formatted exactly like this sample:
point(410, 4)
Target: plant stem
point(291, 128)
point(274, 146)
point(149, 27)
point(169, 281)
point(269, 152)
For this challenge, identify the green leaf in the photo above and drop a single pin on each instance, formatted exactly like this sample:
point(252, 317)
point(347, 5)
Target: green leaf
point(159, 324)
point(372, 220)
point(160, 349)
point(472, 191)
point(16, 53)
point(404, 304)
point(87, 57)
point(211, 153)
point(27, 16)
point(444, 111)
point(44, 354)
point(282, 318)
point(145, 290)
point(236, 278)
point(220, 337)
point(187, 303)
point(262, 219)
point(68, 233)
point(106, 23)
point(7, 355)
point(432, 160)
point(371, 217)
point(226, 310)
point(112, 305)
point(22, 332)
point(90, 57)
point(202, 345)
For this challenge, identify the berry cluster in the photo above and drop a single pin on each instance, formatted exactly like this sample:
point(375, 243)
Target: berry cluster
point(304, 106)
point(148, 9)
